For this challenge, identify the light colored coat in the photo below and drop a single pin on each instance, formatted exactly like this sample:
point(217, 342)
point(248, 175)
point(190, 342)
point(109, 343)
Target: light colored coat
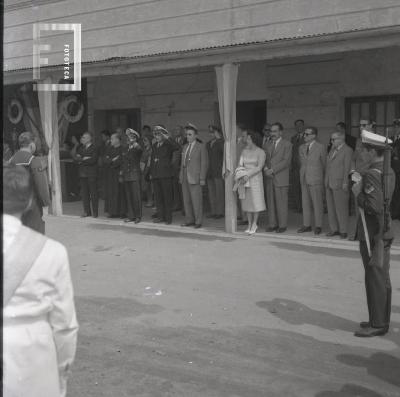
point(279, 160)
point(338, 167)
point(39, 323)
point(313, 164)
point(197, 164)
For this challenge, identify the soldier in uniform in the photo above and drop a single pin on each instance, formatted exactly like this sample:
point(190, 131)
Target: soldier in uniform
point(371, 190)
point(86, 155)
point(38, 171)
point(162, 173)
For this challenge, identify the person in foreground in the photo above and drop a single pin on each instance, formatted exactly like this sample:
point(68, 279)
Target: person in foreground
point(373, 191)
point(39, 320)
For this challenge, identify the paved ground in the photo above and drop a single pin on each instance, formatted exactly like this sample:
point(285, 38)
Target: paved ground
point(166, 313)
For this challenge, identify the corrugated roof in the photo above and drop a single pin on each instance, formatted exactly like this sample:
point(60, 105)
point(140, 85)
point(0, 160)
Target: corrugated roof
point(207, 48)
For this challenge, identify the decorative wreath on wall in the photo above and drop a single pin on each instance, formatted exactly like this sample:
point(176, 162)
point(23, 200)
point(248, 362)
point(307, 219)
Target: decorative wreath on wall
point(15, 111)
point(72, 109)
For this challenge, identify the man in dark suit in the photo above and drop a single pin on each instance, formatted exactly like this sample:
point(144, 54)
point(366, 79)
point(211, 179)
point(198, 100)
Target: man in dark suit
point(132, 176)
point(277, 165)
point(337, 185)
point(376, 240)
point(162, 173)
point(215, 182)
point(296, 140)
point(86, 155)
point(193, 175)
point(38, 171)
point(313, 162)
point(395, 209)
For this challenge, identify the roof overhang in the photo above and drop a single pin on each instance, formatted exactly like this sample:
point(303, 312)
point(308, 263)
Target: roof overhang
point(357, 40)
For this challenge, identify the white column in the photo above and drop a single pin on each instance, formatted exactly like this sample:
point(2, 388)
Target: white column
point(49, 117)
point(226, 83)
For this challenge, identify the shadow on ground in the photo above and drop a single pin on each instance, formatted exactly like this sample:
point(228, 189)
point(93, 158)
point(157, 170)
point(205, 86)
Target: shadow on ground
point(349, 390)
point(161, 233)
point(381, 365)
point(297, 313)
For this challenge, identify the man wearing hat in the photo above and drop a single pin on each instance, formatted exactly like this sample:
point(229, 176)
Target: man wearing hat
point(374, 234)
point(162, 173)
point(41, 197)
point(395, 210)
point(132, 176)
point(193, 175)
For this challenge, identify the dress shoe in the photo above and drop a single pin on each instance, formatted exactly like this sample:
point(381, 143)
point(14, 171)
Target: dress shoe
point(317, 231)
point(84, 215)
point(343, 235)
point(281, 230)
point(272, 229)
point(370, 332)
point(187, 224)
point(127, 220)
point(197, 226)
point(331, 234)
point(365, 324)
point(158, 220)
point(138, 220)
point(304, 229)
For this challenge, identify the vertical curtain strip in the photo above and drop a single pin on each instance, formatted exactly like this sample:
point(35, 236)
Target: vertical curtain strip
point(226, 83)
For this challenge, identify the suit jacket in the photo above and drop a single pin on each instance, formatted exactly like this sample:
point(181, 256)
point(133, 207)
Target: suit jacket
point(87, 167)
point(131, 163)
point(312, 164)
point(215, 149)
point(161, 163)
point(197, 164)
point(396, 154)
point(338, 167)
point(279, 160)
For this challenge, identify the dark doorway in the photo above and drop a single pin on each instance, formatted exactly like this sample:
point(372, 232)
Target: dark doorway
point(124, 118)
point(253, 114)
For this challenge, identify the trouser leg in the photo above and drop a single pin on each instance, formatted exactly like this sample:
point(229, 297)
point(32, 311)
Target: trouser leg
point(341, 203)
point(94, 195)
point(129, 199)
point(220, 196)
point(272, 218)
point(281, 200)
point(85, 195)
point(306, 202)
point(137, 199)
point(317, 200)
point(212, 195)
point(158, 195)
point(187, 200)
point(196, 196)
point(168, 199)
point(333, 224)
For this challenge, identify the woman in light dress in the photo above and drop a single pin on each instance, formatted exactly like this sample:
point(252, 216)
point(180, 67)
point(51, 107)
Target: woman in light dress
point(252, 159)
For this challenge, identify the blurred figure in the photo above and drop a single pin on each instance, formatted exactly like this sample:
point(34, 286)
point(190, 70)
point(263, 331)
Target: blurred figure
point(277, 165)
point(215, 182)
point(115, 192)
point(162, 173)
point(296, 140)
point(41, 198)
point(39, 321)
point(179, 137)
point(395, 206)
point(145, 168)
point(241, 143)
point(86, 155)
point(131, 174)
point(252, 161)
point(313, 162)
point(146, 130)
point(266, 134)
point(103, 146)
point(193, 175)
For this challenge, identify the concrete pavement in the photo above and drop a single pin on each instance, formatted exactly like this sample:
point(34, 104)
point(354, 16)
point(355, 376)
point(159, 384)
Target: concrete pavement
point(166, 313)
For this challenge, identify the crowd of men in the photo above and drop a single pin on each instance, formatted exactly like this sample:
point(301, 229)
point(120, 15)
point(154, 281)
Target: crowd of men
point(167, 171)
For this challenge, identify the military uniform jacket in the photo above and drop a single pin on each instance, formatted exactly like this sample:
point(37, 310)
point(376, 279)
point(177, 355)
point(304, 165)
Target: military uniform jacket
point(371, 200)
point(161, 164)
point(215, 149)
point(131, 163)
point(39, 175)
point(87, 167)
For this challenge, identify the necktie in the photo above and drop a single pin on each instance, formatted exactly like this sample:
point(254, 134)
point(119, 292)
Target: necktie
point(308, 149)
point(187, 154)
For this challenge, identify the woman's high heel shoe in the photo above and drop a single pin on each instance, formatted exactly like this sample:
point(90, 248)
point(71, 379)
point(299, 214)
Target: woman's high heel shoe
point(253, 230)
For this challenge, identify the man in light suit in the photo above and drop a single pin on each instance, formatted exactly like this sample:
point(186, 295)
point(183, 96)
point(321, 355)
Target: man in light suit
point(278, 158)
point(312, 156)
point(337, 185)
point(193, 175)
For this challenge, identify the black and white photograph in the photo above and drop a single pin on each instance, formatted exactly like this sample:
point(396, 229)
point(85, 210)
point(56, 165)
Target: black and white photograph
point(201, 198)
